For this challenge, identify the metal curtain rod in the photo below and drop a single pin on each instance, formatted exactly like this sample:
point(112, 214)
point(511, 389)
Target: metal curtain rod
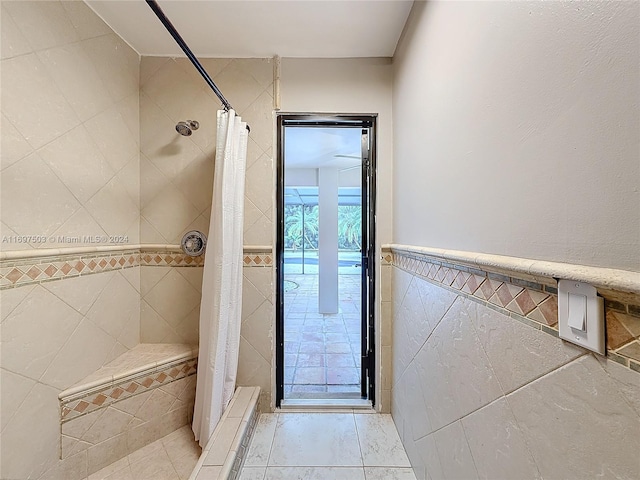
point(185, 48)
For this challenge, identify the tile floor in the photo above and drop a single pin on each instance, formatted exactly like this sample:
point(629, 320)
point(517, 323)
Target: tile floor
point(170, 458)
point(322, 352)
point(326, 446)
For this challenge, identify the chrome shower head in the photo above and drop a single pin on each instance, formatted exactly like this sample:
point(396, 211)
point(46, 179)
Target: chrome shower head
point(187, 128)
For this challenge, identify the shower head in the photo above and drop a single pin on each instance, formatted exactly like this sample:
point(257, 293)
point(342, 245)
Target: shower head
point(187, 128)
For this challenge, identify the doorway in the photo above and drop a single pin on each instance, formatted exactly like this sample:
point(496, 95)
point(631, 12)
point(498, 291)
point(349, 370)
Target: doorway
point(325, 258)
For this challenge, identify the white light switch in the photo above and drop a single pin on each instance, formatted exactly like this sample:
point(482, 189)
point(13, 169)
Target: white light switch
point(581, 315)
point(577, 311)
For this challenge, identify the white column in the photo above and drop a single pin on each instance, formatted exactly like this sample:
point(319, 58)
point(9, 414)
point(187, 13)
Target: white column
point(328, 240)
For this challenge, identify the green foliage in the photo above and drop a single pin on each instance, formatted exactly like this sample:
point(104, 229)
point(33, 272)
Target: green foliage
point(349, 227)
point(293, 231)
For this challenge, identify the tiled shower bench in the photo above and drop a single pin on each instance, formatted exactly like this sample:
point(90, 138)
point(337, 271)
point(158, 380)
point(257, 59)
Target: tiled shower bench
point(141, 396)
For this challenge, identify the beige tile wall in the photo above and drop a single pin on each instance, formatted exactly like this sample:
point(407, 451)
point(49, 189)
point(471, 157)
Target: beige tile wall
point(257, 333)
point(70, 129)
point(53, 335)
point(176, 175)
point(89, 149)
point(170, 304)
point(69, 168)
point(386, 337)
point(477, 394)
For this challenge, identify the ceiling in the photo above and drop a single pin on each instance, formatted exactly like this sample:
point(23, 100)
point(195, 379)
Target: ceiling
point(249, 28)
point(322, 147)
point(318, 147)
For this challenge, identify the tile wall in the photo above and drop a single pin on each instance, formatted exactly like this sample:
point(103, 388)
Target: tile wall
point(54, 334)
point(69, 177)
point(90, 157)
point(255, 364)
point(74, 294)
point(177, 172)
point(70, 129)
point(170, 287)
point(480, 391)
point(386, 321)
point(176, 175)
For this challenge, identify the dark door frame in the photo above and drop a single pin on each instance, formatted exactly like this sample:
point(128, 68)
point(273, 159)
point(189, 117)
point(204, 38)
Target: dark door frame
point(366, 122)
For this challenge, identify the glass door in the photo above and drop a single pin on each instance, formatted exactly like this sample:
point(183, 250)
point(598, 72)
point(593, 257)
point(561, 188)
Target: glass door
point(324, 256)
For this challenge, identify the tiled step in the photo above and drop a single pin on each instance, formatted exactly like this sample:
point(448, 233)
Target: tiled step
point(224, 454)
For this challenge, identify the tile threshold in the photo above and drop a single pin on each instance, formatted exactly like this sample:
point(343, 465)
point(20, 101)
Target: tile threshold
point(328, 405)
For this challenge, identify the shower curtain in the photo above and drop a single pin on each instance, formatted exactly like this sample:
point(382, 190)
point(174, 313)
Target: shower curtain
point(220, 309)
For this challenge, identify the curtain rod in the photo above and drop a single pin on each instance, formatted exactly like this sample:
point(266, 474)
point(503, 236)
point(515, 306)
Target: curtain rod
point(185, 48)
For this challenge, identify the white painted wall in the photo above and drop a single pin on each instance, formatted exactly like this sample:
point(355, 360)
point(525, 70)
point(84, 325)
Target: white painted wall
point(351, 85)
point(517, 130)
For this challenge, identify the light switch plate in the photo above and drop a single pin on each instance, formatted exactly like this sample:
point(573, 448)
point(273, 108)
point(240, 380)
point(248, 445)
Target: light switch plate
point(572, 308)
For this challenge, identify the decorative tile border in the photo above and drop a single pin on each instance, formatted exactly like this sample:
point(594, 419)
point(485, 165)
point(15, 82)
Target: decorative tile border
point(531, 303)
point(531, 300)
point(110, 392)
point(27, 271)
point(386, 257)
point(621, 285)
point(258, 256)
point(174, 259)
point(28, 267)
point(258, 260)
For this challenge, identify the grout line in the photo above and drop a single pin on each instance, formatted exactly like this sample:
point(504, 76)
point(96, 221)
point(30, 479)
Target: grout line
point(59, 352)
point(505, 396)
point(466, 439)
point(353, 416)
point(488, 359)
point(164, 449)
point(544, 374)
point(22, 403)
point(423, 344)
point(624, 345)
point(524, 437)
point(273, 439)
point(8, 314)
point(601, 363)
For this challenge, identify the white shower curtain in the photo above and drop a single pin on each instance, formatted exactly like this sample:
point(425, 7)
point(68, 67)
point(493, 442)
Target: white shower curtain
point(220, 309)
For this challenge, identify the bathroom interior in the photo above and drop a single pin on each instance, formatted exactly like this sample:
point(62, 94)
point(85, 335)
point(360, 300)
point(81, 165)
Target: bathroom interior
point(507, 160)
